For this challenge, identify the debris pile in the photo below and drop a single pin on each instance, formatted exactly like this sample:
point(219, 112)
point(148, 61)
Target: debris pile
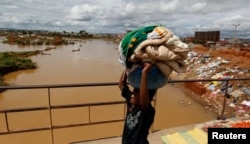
point(220, 64)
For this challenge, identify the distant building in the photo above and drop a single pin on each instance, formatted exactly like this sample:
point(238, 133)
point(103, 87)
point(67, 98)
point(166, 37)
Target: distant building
point(203, 36)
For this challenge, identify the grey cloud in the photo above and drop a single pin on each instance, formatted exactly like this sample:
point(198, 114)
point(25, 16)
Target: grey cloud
point(180, 16)
point(83, 12)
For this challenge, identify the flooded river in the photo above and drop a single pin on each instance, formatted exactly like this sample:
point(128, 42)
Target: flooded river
point(97, 61)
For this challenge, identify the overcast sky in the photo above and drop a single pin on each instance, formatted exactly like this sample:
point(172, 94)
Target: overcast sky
point(182, 17)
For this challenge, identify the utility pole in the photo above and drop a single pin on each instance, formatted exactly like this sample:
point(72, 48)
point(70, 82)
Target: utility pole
point(235, 26)
point(243, 39)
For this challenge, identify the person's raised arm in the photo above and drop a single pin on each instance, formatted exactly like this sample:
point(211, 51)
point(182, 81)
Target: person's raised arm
point(144, 97)
point(123, 80)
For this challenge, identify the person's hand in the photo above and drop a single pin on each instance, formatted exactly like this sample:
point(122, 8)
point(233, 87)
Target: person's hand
point(146, 67)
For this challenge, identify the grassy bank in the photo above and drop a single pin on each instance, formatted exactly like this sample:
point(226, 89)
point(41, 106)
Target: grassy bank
point(14, 61)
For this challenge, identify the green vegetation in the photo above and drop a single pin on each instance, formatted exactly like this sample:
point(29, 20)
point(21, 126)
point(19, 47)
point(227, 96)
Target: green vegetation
point(1, 81)
point(42, 37)
point(14, 61)
point(29, 37)
point(34, 40)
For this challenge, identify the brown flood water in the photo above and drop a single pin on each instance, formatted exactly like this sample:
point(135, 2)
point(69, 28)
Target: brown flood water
point(97, 61)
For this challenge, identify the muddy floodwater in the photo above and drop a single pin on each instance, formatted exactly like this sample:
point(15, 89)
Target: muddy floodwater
point(97, 61)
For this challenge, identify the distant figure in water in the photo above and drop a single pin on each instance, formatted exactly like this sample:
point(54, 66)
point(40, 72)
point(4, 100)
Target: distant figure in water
point(181, 101)
point(75, 50)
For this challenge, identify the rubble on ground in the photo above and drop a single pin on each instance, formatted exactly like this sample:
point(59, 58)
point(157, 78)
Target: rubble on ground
point(220, 64)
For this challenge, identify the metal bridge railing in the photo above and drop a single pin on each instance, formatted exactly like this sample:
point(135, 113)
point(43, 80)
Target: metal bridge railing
point(51, 107)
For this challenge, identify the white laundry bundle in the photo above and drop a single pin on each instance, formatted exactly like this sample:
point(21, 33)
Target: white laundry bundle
point(159, 46)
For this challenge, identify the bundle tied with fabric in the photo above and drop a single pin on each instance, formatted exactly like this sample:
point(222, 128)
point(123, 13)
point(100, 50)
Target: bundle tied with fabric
point(157, 45)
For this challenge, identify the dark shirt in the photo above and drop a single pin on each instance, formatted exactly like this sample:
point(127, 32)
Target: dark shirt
point(137, 122)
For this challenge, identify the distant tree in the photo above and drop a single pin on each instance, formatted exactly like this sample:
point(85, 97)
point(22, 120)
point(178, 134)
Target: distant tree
point(23, 32)
point(30, 33)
